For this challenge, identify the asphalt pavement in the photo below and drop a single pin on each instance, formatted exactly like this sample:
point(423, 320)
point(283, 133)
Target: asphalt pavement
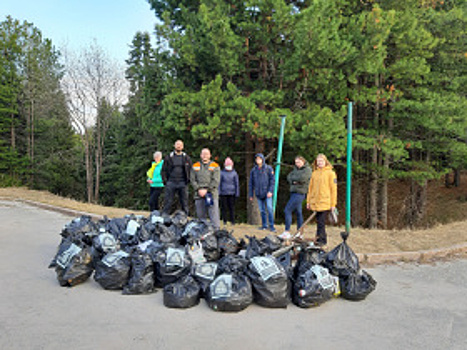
point(413, 307)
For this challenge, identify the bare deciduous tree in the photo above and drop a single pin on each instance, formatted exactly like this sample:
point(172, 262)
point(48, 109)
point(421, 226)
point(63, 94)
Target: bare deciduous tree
point(92, 80)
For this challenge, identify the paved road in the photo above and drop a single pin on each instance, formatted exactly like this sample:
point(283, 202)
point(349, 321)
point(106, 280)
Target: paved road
point(413, 307)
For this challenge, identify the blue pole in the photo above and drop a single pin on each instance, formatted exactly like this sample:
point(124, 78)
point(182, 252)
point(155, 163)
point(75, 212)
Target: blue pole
point(348, 202)
point(278, 163)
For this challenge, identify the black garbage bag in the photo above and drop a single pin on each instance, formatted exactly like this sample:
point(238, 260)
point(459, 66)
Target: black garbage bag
point(166, 234)
point(313, 287)
point(342, 261)
point(230, 292)
point(210, 247)
point(204, 274)
point(308, 254)
point(116, 226)
point(113, 271)
point(256, 247)
point(270, 282)
point(285, 260)
point(195, 230)
point(73, 264)
point(233, 264)
point(226, 243)
point(102, 244)
point(170, 265)
point(357, 286)
point(152, 248)
point(141, 280)
point(179, 218)
point(143, 233)
point(253, 248)
point(130, 236)
point(182, 294)
point(80, 225)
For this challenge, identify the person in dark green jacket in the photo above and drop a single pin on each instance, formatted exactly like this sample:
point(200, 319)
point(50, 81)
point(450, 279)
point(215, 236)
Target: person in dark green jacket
point(298, 180)
point(154, 179)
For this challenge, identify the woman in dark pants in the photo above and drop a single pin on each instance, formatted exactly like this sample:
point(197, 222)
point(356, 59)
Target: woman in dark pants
point(322, 195)
point(155, 181)
point(229, 191)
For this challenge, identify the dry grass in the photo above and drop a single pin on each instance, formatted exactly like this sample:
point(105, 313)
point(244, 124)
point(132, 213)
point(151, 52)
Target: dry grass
point(361, 240)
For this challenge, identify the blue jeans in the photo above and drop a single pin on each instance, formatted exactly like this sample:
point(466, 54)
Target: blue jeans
point(294, 204)
point(266, 204)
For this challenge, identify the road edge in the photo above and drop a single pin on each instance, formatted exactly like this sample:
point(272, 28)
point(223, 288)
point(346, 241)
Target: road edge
point(366, 259)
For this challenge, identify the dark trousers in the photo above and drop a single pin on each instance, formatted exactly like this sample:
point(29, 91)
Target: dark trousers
point(321, 237)
point(154, 195)
point(228, 208)
point(172, 188)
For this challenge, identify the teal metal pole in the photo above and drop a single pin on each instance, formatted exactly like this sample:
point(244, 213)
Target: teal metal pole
point(348, 202)
point(278, 163)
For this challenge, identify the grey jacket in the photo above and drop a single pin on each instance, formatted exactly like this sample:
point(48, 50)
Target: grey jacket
point(206, 176)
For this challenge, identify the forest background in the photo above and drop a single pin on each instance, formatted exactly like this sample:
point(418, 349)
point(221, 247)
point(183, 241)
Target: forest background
point(220, 74)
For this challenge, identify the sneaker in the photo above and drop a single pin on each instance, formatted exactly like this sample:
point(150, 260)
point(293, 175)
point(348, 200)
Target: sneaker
point(285, 235)
point(262, 228)
point(272, 229)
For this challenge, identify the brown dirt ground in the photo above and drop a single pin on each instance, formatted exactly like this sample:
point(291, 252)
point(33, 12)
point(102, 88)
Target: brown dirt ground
point(361, 240)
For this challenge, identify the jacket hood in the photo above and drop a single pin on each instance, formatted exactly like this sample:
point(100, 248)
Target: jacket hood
point(261, 156)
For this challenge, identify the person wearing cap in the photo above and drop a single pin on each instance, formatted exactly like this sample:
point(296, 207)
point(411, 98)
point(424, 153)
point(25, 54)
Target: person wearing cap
point(205, 179)
point(322, 195)
point(229, 191)
point(298, 180)
point(261, 185)
point(154, 178)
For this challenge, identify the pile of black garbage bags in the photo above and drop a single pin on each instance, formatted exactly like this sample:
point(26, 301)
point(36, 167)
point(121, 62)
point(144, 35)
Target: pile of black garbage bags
point(190, 260)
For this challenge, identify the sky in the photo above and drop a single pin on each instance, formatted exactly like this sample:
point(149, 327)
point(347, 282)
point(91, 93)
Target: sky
point(76, 23)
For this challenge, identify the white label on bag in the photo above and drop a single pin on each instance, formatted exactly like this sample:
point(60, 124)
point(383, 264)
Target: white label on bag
point(323, 276)
point(265, 266)
point(157, 219)
point(221, 287)
point(64, 259)
point(175, 257)
point(196, 253)
point(107, 242)
point(131, 227)
point(112, 258)
point(206, 270)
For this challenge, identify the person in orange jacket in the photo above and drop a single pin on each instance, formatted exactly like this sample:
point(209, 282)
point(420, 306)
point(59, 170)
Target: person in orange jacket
point(322, 195)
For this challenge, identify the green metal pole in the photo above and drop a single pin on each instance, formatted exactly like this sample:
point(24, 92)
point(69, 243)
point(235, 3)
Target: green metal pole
point(278, 163)
point(348, 202)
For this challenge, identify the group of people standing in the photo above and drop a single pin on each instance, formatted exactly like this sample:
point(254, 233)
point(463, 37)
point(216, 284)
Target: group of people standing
point(211, 185)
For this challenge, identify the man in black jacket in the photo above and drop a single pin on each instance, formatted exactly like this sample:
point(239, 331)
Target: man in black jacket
point(176, 176)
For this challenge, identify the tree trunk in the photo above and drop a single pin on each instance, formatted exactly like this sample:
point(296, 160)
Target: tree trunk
point(457, 177)
point(12, 132)
point(373, 192)
point(88, 164)
point(373, 195)
point(98, 156)
point(383, 210)
point(418, 200)
point(32, 143)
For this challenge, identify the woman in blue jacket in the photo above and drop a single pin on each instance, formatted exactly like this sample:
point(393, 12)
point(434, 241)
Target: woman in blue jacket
point(229, 191)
